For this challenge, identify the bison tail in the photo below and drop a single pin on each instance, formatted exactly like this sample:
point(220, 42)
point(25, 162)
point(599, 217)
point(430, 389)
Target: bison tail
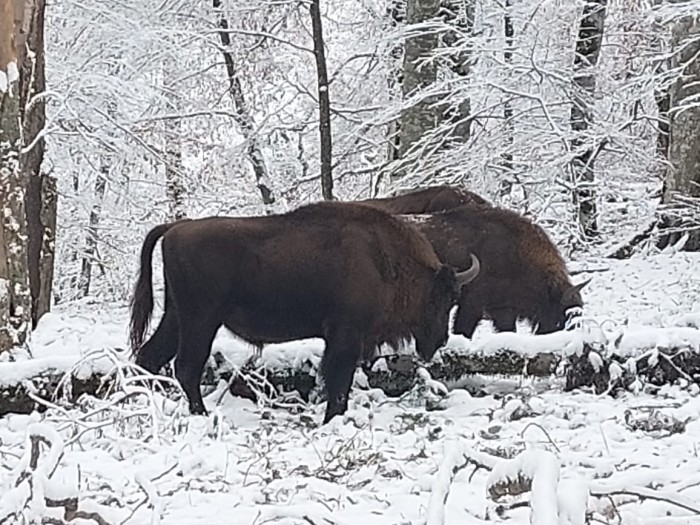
point(142, 300)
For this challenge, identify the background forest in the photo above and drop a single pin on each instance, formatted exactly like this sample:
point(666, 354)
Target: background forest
point(557, 109)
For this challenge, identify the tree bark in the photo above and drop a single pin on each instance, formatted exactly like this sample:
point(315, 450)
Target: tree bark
point(684, 113)
point(14, 224)
point(458, 14)
point(49, 209)
point(396, 16)
point(588, 44)
point(242, 114)
point(419, 73)
point(324, 106)
point(33, 109)
point(682, 178)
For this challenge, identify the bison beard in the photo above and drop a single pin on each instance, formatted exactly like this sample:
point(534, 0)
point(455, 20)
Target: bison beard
point(349, 274)
point(524, 275)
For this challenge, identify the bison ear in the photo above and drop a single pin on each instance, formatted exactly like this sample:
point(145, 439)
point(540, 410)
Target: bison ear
point(469, 275)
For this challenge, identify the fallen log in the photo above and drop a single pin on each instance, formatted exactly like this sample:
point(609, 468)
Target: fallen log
point(639, 359)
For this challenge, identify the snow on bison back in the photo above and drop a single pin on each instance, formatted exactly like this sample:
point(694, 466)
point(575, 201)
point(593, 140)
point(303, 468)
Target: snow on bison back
point(349, 274)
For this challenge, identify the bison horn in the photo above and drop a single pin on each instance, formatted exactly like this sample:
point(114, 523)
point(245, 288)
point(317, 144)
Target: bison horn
point(567, 297)
point(469, 275)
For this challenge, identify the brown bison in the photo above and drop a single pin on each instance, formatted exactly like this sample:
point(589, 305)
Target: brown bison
point(427, 200)
point(523, 274)
point(352, 275)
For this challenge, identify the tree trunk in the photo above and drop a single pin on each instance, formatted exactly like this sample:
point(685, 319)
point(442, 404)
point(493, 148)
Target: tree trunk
point(33, 108)
point(458, 14)
point(49, 208)
point(396, 15)
point(684, 113)
point(242, 114)
point(324, 106)
point(588, 46)
point(682, 180)
point(175, 191)
point(90, 253)
point(506, 183)
point(14, 225)
point(419, 73)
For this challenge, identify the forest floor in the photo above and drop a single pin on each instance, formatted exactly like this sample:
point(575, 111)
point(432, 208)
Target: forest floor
point(144, 460)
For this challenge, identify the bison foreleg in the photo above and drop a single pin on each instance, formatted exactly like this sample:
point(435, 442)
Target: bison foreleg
point(162, 345)
point(466, 319)
point(343, 350)
point(504, 319)
point(196, 337)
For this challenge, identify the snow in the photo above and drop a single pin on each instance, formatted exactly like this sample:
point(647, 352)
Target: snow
point(137, 457)
point(7, 78)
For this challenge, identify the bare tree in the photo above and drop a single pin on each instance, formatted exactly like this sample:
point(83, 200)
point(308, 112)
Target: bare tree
point(242, 114)
point(588, 45)
point(324, 106)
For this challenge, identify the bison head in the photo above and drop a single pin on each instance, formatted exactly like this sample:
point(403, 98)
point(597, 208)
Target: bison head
point(557, 316)
point(447, 286)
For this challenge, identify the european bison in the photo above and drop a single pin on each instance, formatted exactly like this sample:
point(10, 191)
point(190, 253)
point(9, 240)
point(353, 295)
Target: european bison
point(354, 276)
point(427, 200)
point(523, 274)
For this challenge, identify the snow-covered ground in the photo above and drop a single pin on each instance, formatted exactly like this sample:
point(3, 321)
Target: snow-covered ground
point(143, 460)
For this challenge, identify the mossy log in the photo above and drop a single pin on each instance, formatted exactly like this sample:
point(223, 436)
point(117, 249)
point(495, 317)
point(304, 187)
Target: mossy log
point(593, 368)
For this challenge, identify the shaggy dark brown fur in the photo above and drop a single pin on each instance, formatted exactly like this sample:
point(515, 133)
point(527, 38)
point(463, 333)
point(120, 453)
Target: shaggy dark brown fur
point(427, 200)
point(523, 274)
point(355, 276)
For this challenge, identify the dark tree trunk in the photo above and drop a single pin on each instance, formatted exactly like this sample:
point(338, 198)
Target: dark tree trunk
point(242, 115)
point(33, 121)
point(324, 105)
point(14, 225)
point(49, 209)
point(506, 182)
point(682, 181)
point(396, 15)
point(663, 104)
point(588, 46)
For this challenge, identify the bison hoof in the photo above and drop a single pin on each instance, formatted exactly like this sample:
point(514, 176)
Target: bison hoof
point(332, 411)
point(197, 409)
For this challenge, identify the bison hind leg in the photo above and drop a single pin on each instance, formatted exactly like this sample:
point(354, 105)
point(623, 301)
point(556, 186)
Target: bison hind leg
point(344, 347)
point(162, 345)
point(196, 337)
